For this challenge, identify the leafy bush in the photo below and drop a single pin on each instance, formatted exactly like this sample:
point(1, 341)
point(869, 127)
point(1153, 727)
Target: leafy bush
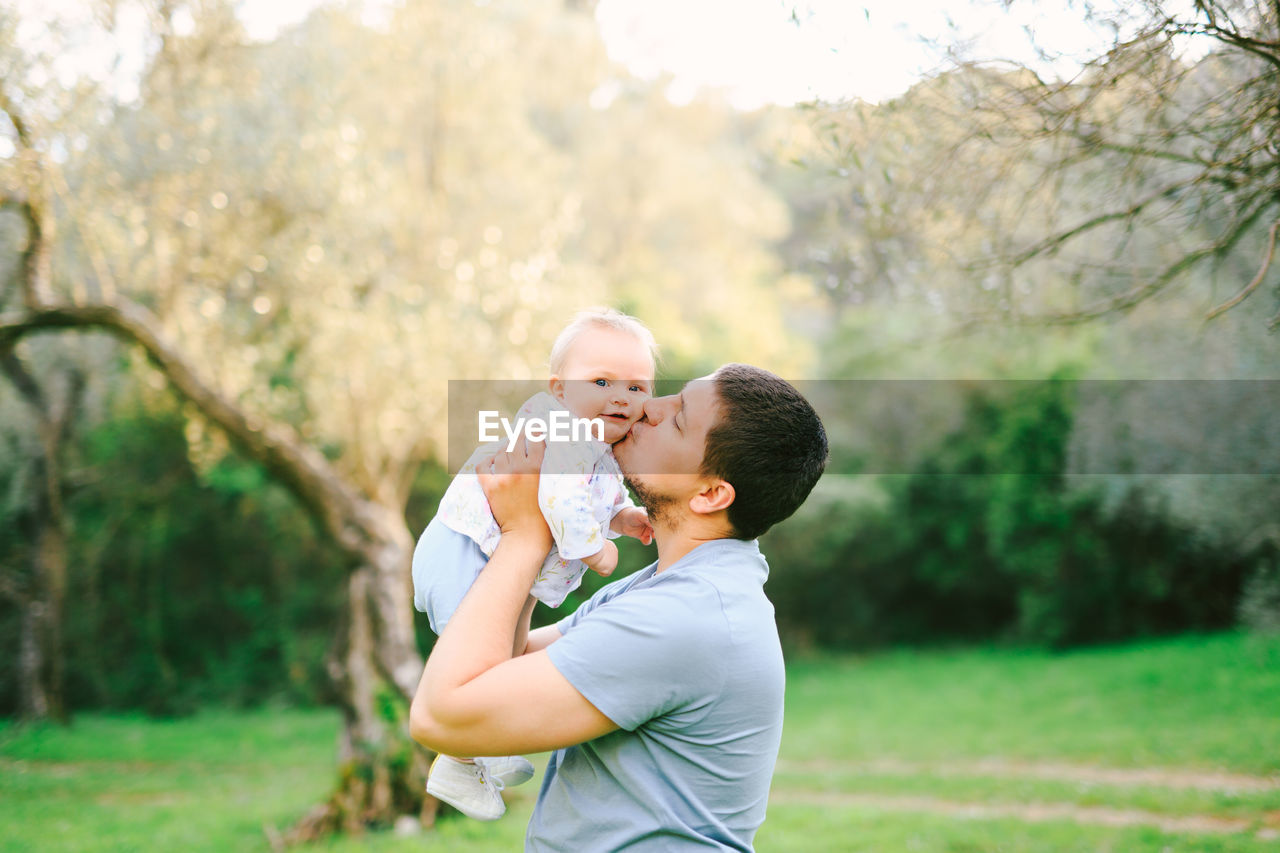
point(986, 539)
point(185, 588)
point(1260, 601)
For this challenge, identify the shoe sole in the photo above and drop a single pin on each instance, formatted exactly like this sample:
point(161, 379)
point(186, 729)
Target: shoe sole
point(466, 811)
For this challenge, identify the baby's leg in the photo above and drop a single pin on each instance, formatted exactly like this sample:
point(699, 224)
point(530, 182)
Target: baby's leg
point(445, 565)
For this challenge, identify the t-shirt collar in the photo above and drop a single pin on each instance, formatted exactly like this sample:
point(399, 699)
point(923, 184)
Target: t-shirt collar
point(718, 552)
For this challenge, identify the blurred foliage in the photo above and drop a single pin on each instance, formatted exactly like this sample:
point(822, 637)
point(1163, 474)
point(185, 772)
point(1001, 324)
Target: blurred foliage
point(965, 230)
point(185, 588)
point(1260, 600)
point(963, 549)
point(1002, 194)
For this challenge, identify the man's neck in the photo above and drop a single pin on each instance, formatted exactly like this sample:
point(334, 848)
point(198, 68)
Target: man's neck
point(676, 541)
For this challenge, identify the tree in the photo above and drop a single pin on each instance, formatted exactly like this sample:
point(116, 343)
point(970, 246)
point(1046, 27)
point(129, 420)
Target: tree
point(1076, 199)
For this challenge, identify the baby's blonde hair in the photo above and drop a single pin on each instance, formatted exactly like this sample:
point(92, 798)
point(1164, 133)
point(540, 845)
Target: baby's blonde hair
point(594, 318)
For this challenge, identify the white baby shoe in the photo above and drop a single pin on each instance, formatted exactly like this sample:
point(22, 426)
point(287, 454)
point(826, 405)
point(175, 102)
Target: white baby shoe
point(467, 787)
point(510, 770)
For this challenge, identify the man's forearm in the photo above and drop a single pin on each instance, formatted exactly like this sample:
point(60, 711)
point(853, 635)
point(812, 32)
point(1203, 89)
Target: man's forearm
point(482, 631)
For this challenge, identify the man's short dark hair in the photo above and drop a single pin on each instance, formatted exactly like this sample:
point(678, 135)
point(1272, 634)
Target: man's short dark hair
point(768, 444)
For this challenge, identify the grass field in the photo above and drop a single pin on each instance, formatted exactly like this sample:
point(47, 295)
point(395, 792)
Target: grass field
point(1165, 746)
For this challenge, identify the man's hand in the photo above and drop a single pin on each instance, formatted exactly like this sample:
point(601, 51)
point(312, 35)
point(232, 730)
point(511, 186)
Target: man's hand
point(634, 522)
point(510, 483)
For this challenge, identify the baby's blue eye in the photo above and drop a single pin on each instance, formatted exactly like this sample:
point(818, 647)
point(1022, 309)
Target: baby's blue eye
point(603, 383)
point(637, 388)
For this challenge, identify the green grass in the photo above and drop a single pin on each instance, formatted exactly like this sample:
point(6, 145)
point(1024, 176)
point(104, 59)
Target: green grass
point(806, 829)
point(882, 752)
point(979, 789)
point(128, 783)
point(1197, 701)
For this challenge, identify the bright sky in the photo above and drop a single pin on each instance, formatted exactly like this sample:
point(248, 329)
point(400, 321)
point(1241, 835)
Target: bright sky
point(830, 49)
point(758, 51)
point(784, 51)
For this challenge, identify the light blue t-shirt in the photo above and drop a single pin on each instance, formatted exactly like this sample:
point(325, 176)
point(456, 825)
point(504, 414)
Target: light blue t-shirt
point(688, 664)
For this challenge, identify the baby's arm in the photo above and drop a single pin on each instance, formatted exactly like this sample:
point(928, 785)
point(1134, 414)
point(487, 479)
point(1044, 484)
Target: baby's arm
point(604, 561)
point(632, 521)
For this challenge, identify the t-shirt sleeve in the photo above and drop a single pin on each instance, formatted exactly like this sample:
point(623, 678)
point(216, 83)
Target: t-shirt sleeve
point(603, 594)
point(644, 653)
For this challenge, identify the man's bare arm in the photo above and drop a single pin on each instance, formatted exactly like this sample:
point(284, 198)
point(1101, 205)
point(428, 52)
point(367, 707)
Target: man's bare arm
point(522, 705)
point(474, 697)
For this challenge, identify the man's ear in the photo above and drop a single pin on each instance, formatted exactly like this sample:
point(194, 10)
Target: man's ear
point(715, 496)
point(556, 386)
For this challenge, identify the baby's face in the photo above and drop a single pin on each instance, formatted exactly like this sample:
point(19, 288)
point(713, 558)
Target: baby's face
point(607, 374)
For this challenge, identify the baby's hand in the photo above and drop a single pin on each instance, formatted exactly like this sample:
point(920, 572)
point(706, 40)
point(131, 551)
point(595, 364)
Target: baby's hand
point(604, 561)
point(634, 522)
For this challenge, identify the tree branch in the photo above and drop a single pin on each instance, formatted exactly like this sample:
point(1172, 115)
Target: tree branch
point(1137, 150)
point(1262, 49)
point(62, 413)
point(22, 379)
point(1257, 279)
point(352, 520)
point(37, 261)
point(1050, 243)
point(1130, 298)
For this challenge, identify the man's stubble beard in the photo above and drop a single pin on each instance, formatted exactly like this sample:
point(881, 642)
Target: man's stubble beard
point(661, 508)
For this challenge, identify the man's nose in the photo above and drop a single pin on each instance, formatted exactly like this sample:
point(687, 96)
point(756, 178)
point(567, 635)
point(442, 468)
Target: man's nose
point(655, 408)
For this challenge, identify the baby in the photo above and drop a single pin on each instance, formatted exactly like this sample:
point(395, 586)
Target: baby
point(602, 367)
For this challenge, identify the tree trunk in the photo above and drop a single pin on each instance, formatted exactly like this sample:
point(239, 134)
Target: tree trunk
point(33, 704)
point(50, 569)
point(40, 655)
point(41, 658)
point(382, 775)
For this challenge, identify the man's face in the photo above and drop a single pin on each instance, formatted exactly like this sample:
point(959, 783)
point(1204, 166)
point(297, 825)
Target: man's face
point(662, 454)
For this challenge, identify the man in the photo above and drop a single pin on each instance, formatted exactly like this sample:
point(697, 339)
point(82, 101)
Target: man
point(662, 694)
